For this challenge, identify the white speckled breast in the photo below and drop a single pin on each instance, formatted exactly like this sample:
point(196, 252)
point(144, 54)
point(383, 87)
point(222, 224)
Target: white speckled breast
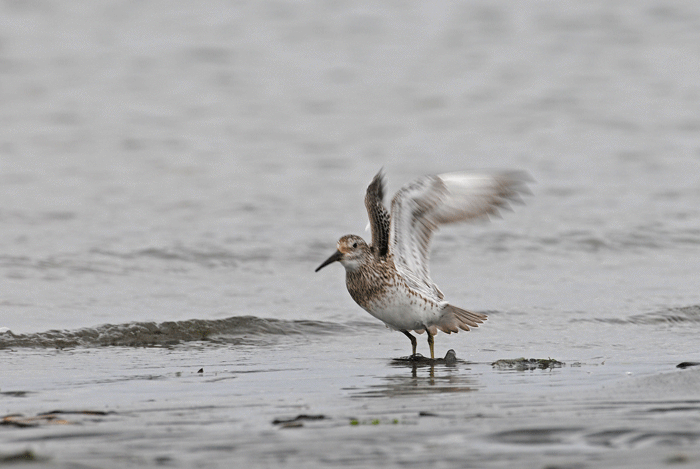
point(402, 309)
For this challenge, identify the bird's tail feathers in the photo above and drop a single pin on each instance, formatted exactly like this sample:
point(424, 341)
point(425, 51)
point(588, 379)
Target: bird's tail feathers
point(454, 319)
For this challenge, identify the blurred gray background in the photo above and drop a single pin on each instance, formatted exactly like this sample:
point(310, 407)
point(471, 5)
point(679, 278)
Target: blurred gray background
point(167, 160)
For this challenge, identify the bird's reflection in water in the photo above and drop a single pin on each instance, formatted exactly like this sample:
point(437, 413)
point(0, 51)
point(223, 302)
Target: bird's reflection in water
point(426, 377)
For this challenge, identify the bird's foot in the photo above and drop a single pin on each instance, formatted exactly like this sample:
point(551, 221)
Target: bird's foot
point(450, 359)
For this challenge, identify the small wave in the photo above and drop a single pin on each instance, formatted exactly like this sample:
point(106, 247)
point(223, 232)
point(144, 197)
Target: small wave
point(205, 256)
point(641, 238)
point(682, 315)
point(237, 329)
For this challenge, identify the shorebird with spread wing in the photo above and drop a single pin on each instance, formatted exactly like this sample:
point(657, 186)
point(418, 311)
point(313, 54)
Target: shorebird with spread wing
point(390, 278)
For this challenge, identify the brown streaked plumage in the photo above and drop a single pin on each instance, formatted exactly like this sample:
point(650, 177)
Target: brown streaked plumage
point(390, 278)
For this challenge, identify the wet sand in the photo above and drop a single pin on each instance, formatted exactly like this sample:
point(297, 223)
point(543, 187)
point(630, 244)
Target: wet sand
point(306, 401)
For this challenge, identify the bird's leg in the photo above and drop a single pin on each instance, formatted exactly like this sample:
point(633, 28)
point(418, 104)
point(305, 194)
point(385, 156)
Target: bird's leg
point(414, 342)
point(431, 343)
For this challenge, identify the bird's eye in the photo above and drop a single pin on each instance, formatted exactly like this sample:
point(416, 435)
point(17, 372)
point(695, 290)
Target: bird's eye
point(354, 245)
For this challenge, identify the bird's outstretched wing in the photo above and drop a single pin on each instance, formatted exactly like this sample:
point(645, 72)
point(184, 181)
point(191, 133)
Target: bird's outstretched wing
point(420, 206)
point(379, 218)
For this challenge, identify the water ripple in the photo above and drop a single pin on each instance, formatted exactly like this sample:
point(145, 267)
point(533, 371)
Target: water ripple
point(682, 315)
point(237, 330)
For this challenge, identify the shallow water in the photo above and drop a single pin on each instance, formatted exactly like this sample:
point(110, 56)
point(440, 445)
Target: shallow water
point(170, 178)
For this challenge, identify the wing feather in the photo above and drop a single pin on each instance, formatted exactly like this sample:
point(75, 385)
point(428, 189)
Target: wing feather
point(421, 206)
point(379, 218)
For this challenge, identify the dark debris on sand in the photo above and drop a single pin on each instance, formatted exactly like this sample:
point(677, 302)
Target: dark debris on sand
point(46, 418)
point(22, 456)
point(524, 364)
point(297, 421)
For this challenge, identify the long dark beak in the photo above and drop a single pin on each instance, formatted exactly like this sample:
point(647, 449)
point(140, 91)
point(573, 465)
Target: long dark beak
point(337, 255)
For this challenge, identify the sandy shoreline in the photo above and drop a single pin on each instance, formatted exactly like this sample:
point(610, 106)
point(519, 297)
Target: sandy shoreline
point(342, 410)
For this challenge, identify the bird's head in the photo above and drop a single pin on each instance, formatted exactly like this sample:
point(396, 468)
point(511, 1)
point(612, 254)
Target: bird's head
point(352, 250)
